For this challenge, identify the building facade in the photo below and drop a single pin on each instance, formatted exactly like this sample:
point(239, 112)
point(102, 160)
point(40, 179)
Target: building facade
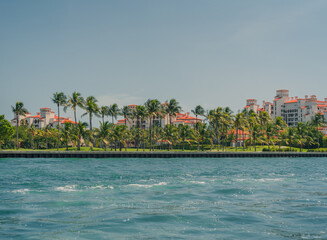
point(292, 109)
point(41, 119)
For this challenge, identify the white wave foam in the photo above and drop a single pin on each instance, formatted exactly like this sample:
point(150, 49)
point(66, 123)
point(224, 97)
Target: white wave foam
point(147, 185)
point(67, 188)
point(269, 179)
point(101, 187)
point(23, 191)
point(198, 182)
point(260, 180)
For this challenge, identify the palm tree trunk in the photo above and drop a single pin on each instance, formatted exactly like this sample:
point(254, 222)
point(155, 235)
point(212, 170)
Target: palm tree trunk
point(318, 137)
point(58, 127)
point(75, 116)
point(150, 137)
point(236, 141)
point(17, 124)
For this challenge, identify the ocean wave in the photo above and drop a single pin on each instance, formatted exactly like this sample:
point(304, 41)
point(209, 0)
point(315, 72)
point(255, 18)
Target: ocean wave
point(23, 191)
point(67, 188)
point(198, 182)
point(260, 180)
point(147, 185)
point(101, 187)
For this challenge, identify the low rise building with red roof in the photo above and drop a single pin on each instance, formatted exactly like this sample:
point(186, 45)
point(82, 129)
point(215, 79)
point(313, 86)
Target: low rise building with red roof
point(43, 118)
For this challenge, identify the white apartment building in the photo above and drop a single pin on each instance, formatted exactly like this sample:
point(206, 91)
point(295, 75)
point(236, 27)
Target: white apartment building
point(292, 109)
point(42, 119)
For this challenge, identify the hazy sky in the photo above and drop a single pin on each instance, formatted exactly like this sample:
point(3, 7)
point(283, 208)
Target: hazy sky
point(213, 53)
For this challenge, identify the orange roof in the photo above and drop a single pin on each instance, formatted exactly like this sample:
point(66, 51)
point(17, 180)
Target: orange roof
point(67, 121)
point(304, 107)
point(37, 116)
point(45, 108)
point(246, 106)
point(122, 121)
point(292, 101)
point(322, 105)
point(132, 105)
point(276, 99)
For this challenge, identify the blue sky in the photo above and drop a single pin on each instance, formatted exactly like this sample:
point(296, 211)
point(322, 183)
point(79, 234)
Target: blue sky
point(213, 53)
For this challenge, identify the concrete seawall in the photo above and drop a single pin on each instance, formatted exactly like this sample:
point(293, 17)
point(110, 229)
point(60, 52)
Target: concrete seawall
point(71, 154)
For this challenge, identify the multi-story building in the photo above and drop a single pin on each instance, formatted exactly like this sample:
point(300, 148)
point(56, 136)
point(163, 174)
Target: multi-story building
point(179, 119)
point(41, 119)
point(292, 109)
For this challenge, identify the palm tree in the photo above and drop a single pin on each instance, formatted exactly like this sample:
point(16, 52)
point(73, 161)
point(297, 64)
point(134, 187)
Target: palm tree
point(153, 107)
point(80, 132)
point(67, 131)
point(75, 100)
point(170, 134)
point(103, 111)
point(198, 111)
point(301, 134)
point(271, 131)
point(32, 130)
point(140, 114)
point(280, 125)
point(91, 108)
point(290, 135)
point(103, 133)
point(60, 100)
point(172, 108)
point(18, 110)
point(119, 135)
point(114, 111)
point(317, 121)
point(184, 133)
point(238, 123)
point(126, 112)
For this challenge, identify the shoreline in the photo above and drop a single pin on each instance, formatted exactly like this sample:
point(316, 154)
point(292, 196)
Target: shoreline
point(141, 154)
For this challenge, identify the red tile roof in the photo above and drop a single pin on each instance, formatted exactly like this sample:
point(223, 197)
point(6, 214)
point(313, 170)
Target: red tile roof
point(292, 101)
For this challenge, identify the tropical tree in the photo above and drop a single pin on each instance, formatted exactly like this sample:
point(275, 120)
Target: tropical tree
point(60, 100)
point(119, 135)
point(126, 113)
point(67, 132)
point(238, 124)
point(169, 134)
point(18, 110)
point(91, 109)
point(271, 132)
point(317, 121)
point(140, 114)
point(74, 101)
point(103, 111)
point(6, 130)
point(103, 133)
point(79, 133)
point(184, 133)
point(114, 111)
point(198, 111)
point(172, 107)
point(33, 131)
point(153, 107)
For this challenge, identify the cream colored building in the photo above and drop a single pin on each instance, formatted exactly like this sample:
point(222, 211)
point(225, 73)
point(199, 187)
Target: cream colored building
point(293, 109)
point(43, 118)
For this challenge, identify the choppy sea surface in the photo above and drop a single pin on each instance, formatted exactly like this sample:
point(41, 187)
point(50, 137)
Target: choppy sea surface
point(276, 198)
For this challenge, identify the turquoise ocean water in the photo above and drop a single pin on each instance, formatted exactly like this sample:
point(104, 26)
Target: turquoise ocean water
point(277, 198)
